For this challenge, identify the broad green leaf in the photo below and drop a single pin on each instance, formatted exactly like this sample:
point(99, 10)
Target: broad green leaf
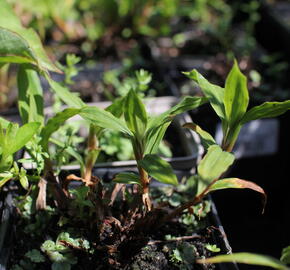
point(247, 258)
point(23, 135)
point(237, 183)
point(158, 125)
point(11, 22)
point(187, 104)
point(64, 94)
point(266, 110)
point(116, 108)
point(54, 123)
point(24, 181)
point(153, 138)
point(135, 114)
point(206, 139)
point(214, 163)
point(14, 48)
point(4, 123)
point(285, 258)
point(30, 96)
point(158, 168)
point(236, 98)
point(104, 119)
point(5, 177)
point(214, 93)
point(127, 178)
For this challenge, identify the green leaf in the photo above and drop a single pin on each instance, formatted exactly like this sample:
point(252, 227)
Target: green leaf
point(11, 22)
point(4, 123)
point(5, 177)
point(187, 104)
point(54, 123)
point(154, 137)
point(35, 256)
point(214, 93)
point(104, 119)
point(158, 125)
point(236, 98)
point(23, 135)
point(206, 139)
point(158, 168)
point(14, 48)
point(30, 97)
point(215, 162)
point(135, 114)
point(127, 178)
point(116, 108)
point(285, 258)
point(237, 183)
point(212, 248)
point(247, 258)
point(71, 151)
point(65, 95)
point(24, 181)
point(266, 110)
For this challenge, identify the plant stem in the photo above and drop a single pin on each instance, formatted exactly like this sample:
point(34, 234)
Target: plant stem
point(144, 179)
point(92, 155)
point(178, 211)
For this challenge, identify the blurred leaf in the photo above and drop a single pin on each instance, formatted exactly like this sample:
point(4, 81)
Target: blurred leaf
point(127, 178)
point(5, 177)
point(54, 123)
point(30, 97)
point(14, 48)
point(236, 97)
point(23, 135)
point(247, 258)
point(285, 258)
point(65, 95)
point(206, 139)
point(266, 110)
point(158, 168)
point(214, 163)
point(11, 22)
point(4, 123)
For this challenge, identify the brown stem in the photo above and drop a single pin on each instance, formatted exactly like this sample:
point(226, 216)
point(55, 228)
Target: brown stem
point(91, 156)
point(50, 179)
point(145, 181)
point(196, 200)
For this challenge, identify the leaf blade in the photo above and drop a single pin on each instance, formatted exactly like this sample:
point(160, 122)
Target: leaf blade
point(104, 119)
point(214, 93)
point(23, 136)
point(30, 96)
point(214, 163)
point(54, 123)
point(127, 178)
point(266, 110)
point(247, 258)
point(159, 169)
point(236, 98)
point(206, 139)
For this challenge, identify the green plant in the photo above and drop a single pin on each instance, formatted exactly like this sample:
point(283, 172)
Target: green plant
point(231, 105)
point(253, 259)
